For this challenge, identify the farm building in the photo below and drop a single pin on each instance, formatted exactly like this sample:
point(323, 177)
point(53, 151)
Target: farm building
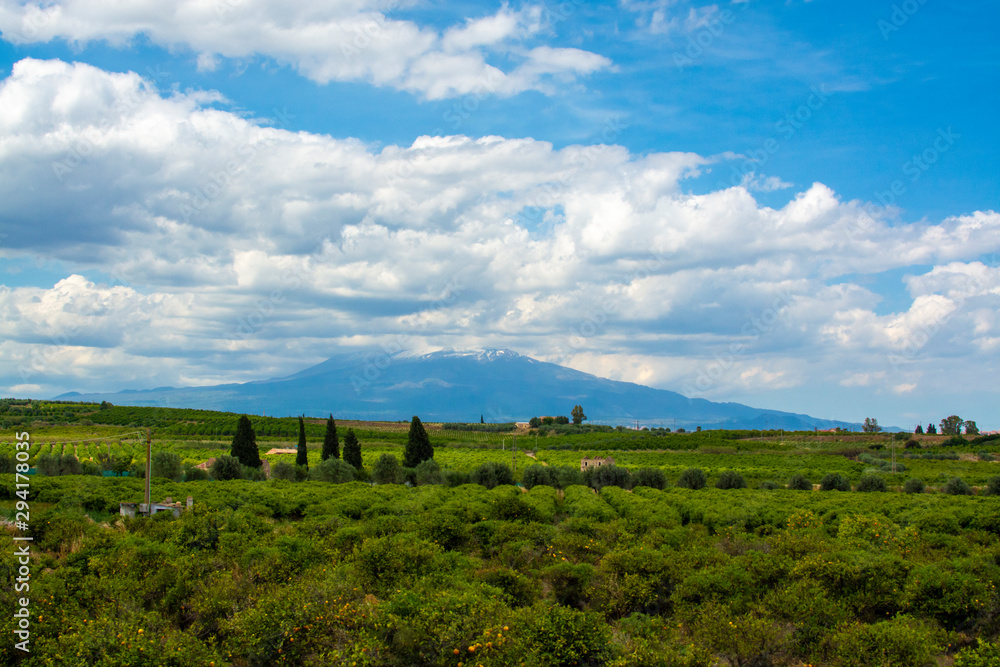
point(596, 462)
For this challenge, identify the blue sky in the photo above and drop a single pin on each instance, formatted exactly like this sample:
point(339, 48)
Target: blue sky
point(791, 205)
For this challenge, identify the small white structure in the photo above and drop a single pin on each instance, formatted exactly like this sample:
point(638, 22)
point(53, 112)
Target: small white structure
point(168, 505)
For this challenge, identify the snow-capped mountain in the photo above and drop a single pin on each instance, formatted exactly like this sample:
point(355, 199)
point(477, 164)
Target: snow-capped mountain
point(458, 385)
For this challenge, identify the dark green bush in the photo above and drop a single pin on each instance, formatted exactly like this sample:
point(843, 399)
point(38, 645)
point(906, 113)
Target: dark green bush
point(539, 475)
point(283, 470)
point(835, 482)
point(914, 485)
point(956, 486)
point(610, 475)
point(166, 464)
point(651, 477)
point(227, 467)
point(692, 478)
point(730, 479)
point(333, 470)
point(992, 487)
point(387, 470)
point(428, 472)
point(800, 483)
point(870, 483)
point(912, 443)
point(492, 474)
point(768, 486)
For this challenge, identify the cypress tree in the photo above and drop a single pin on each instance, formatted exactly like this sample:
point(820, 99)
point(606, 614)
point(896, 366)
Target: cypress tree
point(418, 445)
point(331, 444)
point(244, 445)
point(352, 450)
point(301, 458)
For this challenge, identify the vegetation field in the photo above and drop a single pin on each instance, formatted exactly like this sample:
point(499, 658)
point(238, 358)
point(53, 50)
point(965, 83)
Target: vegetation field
point(721, 548)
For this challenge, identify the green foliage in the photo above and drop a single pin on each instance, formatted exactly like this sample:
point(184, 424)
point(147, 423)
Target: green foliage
point(870, 483)
point(226, 467)
point(914, 485)
point(418, 445)
point(730, 479)
point(387, 471)
point(166, 464)
point(834, 482)
point(536, 475)
point(899, 641)
point(577, 414)
point(331, 443)
point(692, 478)
point(302, 452)
point(610, 475)
point(352, 450)
point(992, 487)
point(492, 474)
point(956, 486)
point(985, 654)
point(428, 472)
point(799, 482)
point(244, 445)
point(952, 425)
point(555, 636)
point(651, 477)
point(283, 470)
point(333, 470)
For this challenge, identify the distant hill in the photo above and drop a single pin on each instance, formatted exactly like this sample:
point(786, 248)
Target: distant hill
point(499, 385)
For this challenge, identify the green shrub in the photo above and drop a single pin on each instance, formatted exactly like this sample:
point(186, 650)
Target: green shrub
point(899, 641)
point(283, 470)
point(870, 483)
point(555, 636)
point(166, 464)
point(610, 475)
point(227, 467)
point(992, 487)
point(912, 443)
point(986, 654)
point(428, 472)
point(193, 474)
point(835, 482)
point(333, 470)
point(730, 479)
point(492, 474)
point(387, 470)
point(456, 478)
point(651, 477)
point(800, 483)
point(539, 475)
point(956, 486)
point(914, 485)
point(692, 478)
point(767, 486)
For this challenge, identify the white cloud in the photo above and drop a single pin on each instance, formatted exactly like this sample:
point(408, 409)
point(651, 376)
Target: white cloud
point(348, 40)
point(236, 250)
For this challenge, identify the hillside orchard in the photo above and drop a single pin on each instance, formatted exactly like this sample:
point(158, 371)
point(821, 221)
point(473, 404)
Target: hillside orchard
point(713, 548)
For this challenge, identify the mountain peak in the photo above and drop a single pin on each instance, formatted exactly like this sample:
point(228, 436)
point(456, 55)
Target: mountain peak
point(485, 354)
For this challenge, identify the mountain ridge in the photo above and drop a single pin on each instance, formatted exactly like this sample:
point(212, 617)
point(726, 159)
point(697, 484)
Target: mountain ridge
point(496, 384)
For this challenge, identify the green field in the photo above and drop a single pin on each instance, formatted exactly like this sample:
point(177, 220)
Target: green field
point(317, 573)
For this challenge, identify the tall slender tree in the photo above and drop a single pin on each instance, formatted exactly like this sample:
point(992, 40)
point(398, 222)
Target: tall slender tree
point(244, 445)
point(418, 445)
point(352, 450)
point(331, 444)
point(301, 456)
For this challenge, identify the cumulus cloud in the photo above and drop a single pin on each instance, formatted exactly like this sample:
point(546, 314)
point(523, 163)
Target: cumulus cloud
point(215, 241)
point(346, 40)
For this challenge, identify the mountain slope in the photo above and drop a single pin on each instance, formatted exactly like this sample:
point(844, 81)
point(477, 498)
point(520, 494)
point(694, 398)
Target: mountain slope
point(500, 385)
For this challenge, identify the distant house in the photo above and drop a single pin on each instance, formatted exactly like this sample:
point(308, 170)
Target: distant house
point(139, 509)
point(596, 462)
